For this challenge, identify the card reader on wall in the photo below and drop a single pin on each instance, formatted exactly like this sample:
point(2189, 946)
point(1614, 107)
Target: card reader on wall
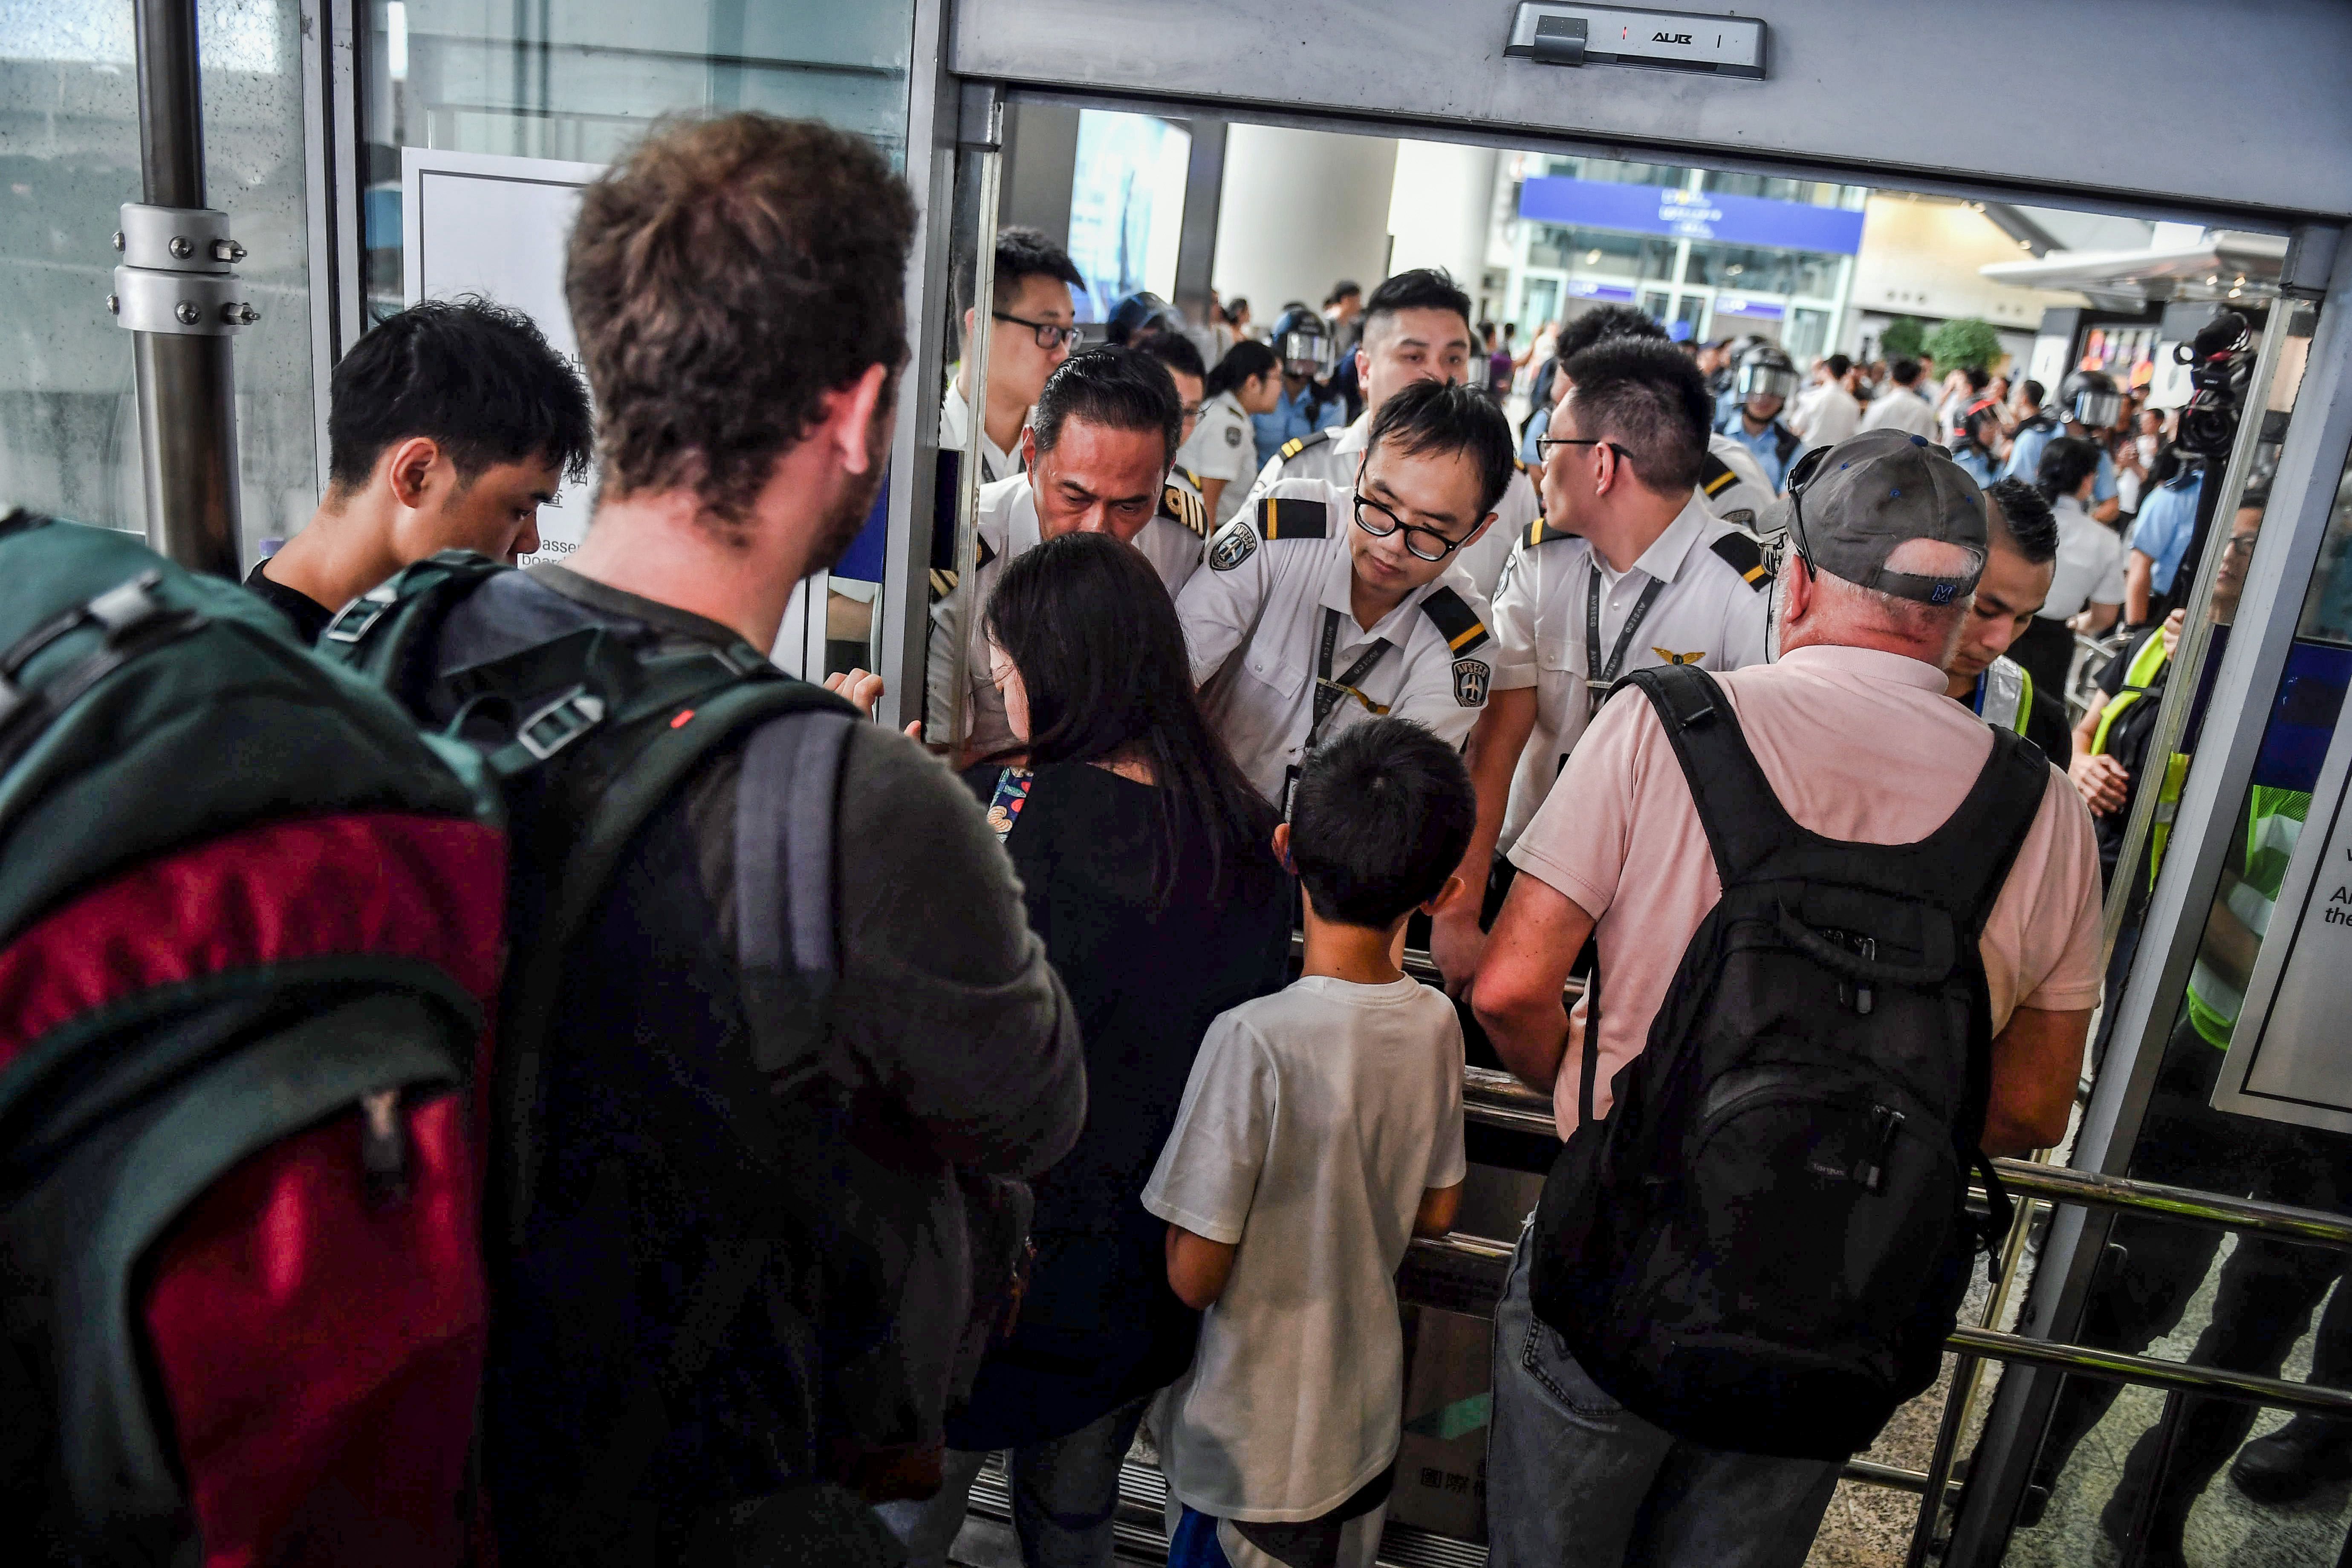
point(1616, 35)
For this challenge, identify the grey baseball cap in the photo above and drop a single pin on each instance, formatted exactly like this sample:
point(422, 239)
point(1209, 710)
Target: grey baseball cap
point(1851, 506)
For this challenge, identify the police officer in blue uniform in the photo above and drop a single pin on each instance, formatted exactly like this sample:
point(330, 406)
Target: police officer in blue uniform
point(2088, 405)
point(1760, 388)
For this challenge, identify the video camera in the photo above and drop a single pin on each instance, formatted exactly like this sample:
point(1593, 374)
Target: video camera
point(2220, 361)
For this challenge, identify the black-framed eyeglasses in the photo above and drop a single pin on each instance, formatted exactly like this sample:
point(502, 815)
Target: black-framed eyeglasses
point(1049, 335)
point(1805, 470)
point(1544, 443)
point(1380, 522)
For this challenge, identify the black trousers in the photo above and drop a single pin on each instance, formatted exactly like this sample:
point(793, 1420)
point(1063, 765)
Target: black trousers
point(2153, 1267)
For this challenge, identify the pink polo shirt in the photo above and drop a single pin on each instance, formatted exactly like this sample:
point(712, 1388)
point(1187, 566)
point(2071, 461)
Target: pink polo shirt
point(1859, 745)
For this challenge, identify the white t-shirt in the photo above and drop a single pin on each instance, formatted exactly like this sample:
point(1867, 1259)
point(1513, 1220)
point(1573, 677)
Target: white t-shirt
point(2090, 562)
point(1900, 409)
point(1222, 446)
point(1314, 1120)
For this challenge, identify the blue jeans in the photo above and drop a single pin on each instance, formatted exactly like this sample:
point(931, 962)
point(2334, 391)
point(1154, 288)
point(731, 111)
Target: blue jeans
point(1574, 1477)
point(1064, 1494)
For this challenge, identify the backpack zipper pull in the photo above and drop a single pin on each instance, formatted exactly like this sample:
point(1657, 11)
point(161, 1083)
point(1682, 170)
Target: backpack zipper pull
point(383, 1148)
point(1885, 1123)
point(1869, 949)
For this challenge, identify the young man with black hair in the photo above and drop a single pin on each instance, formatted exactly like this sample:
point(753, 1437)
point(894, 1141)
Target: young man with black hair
point(1627, 570)
point(738, 285)
point(1328, 604)
point(1095, 458)
point(1416, 328)
point(1320, 1131)
point(1902, 406)
point(1731, 483)
point(2021, 558)
point(1178, 533)
point(448, 427)
point(1032, 329)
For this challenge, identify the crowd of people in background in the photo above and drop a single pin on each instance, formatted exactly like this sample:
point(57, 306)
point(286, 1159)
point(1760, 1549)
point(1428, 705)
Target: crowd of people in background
point(1262, 634)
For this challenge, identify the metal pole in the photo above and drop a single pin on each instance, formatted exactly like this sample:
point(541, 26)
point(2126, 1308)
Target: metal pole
point(181, 357)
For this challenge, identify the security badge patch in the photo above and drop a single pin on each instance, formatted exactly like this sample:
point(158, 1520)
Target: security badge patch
point(1235, 543)
point(1463, 633)
point(1232, 435)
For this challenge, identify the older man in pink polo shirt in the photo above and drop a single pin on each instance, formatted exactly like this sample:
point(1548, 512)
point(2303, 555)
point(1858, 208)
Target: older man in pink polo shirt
point(1851, 729)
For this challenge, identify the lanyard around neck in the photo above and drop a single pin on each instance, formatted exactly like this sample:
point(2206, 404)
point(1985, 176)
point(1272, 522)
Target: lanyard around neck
point(1599, 676)
point(1329, 692)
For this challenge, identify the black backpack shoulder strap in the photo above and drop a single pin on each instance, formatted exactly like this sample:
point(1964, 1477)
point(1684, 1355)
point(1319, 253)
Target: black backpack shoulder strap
point(784, 907)
point(1997, 813)
point(1744, 819)
point(382, 633)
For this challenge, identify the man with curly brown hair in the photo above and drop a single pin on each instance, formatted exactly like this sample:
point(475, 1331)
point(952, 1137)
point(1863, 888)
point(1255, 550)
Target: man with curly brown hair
point(657, 1391)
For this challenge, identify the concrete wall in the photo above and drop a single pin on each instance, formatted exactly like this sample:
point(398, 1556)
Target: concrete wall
point(1331, 197)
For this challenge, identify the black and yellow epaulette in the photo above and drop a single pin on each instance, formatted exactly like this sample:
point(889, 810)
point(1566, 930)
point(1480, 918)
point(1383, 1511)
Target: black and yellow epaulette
point(1298, 443)
point(1541, 532)
point(1744, 556)
point(1456, 621)
point(1715, 476)
point(986, 555)
point(1185, 507)
point(1526, 467)
point(943, 582)
point(1187, 475)
point(1292, 517)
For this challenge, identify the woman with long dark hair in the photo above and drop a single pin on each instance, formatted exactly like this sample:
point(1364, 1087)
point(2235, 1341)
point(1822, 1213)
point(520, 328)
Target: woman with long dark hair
point(1145, 856)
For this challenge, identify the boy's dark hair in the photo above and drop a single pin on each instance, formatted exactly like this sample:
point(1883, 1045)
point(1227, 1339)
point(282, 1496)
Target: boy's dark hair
point(2022, 517)
point(1904, 371)
point(1381, 816)
point(723, 276)
point(1176, 351)
point(477, 378)
point(1840, 367)
point(2065, 464)
point(1419, 288)
point(1642, 395)
point(1021, 254)
point(1448, 417)
point(1116, 387)
point(1601, 323)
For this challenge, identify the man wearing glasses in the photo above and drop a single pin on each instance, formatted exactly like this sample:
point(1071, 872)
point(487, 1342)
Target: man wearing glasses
point(1324, 603)
point(1416, 328)
point(1031, 329)
point(1628, 569)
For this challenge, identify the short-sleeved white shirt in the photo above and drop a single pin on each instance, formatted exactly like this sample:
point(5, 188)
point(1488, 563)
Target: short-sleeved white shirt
point(1222, 446)
point(1742, 500)
point(1339, 454)
point(1169, 542)
point(955, 429)
point(2090, 562)
point(1900, 409)
point(1314, 1120)
point(1007, 526)
point(1711, 611)
point(1253, 626)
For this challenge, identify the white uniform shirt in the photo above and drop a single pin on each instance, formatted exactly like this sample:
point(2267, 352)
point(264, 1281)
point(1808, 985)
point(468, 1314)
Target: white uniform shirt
point(1829, 416)
point(955, 429)
point(1338, 456)
point(1899, 408)
point(1224, 446)
point(2090, 562)
point(1007, 526)
point(1174, 538)
point(1710, 611)
point(1736, 492)
point(1254, 625)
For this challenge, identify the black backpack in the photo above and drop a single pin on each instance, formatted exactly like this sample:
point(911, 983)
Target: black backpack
point(1765, 1244)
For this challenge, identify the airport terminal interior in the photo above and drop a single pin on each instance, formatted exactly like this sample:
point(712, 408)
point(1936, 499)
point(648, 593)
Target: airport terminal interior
point(1819, 217)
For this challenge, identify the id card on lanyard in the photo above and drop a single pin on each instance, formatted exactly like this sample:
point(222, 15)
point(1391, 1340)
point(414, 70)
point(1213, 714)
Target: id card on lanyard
point(1599, 676)
point(1329, 692)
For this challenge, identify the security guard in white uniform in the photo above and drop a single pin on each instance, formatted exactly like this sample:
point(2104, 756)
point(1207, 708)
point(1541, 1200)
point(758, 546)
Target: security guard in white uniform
point(2021, 559)
point(1097, 456)
point(1031, 330)
point(1630, 571)
point(1178, 533)
point(1324, 605)
point(1416, 328)
point(1731, 484)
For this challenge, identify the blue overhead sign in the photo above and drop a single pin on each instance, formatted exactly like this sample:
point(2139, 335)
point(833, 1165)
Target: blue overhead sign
point(1690, 215)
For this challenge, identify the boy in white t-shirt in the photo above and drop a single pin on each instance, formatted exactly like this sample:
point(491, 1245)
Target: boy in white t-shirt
point(1320, 1131)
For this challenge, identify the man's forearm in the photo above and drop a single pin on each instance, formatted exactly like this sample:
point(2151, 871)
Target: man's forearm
point(1493, 757)
point(2139, 580)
